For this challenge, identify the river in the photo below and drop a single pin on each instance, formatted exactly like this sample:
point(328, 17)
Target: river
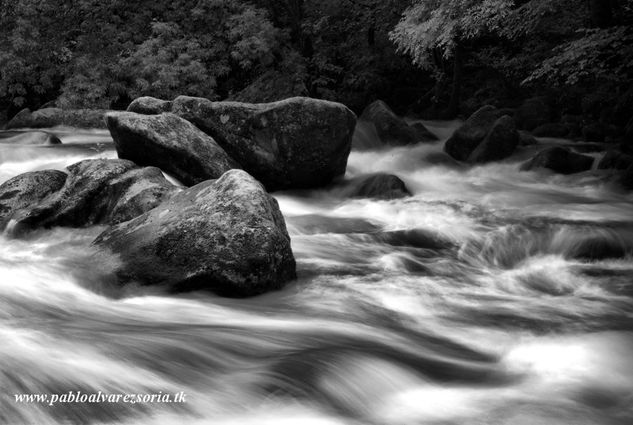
point(491, 296)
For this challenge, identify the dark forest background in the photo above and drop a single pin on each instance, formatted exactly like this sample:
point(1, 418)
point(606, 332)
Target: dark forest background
point(434, 59)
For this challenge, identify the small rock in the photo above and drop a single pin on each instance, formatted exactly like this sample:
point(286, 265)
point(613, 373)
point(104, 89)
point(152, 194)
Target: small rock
point(29, 138)
point(377, 186)
point(559, 160)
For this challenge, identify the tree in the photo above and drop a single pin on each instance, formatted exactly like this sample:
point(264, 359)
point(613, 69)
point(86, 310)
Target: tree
point(432, 28)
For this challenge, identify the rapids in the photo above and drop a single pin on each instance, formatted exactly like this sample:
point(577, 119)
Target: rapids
point(489, 297)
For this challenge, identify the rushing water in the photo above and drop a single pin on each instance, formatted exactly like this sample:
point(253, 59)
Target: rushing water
point(489, 297)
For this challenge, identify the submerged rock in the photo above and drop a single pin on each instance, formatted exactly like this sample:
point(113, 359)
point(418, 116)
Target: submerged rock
point(500, 142)
point(392, 129)
point(97, 191)
point(53, 117)
point(170, 143)
point(560, 160)
point(27, 191)
point(291, 144)
point(148, 105)
point(227, 236)
point(377, 186)
point(28, 138)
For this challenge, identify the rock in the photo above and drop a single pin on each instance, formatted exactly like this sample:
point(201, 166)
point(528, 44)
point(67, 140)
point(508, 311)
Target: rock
point(377, 186)
point(97, 191)
point(28, 138)
point(557, 130)
point(467, 137)
point(615, 160)
point(52, 117)
point(526, 139)
point(291, 144)
point(148, 105)
point(593, 132)
point(424, 133)
point(26, 191)
point(392, 129)
point(560, 160)
point(500, 143)
point(532, 113)
point(272, 86)
point(227, 236)
point(170, 143)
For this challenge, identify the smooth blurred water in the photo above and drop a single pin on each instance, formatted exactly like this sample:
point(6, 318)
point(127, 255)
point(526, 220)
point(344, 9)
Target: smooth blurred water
point(489, 297)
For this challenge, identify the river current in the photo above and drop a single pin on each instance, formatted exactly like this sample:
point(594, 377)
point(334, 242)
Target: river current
point(491, 296)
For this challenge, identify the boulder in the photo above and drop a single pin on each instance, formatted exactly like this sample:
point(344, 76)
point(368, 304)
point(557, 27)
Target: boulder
point(170, 143)
point(291, 144)
point(526, 139)
point(560, 160)
point(467, 137)
point(377, 186)
point(556, 130)
point(615, 160)
point(52, 117)
point(148, 105)
point(500, 142)
point(97, 191)
point(26, 191)
point(392, 129)
point(28, 138)
point(532, 113)
point(226, 236)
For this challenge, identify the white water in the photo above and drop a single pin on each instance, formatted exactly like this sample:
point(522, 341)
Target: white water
point(468, 303)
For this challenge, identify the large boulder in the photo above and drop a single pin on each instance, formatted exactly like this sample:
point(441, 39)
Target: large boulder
point(97, 191)
point(294, 143)
point(532, 113)
point(27, 190)
point(52, 117)
point(149, 106)
point(392, 129)
point(500, 142)
point(377, 186)
point(28, 138)
point(467, 137)
point(170, 143)
point(227, 236)
point(560, 160)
